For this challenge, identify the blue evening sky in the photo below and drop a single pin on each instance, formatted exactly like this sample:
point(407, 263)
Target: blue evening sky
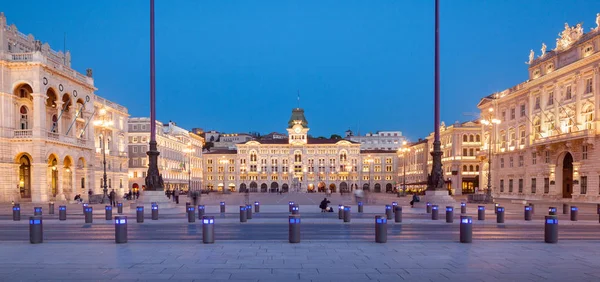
point(236, 66)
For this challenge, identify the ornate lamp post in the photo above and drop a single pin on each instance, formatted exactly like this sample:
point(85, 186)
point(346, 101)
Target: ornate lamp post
point(489, 120)
point(370, 162)
point(103, 123)
point(223, 161)
point(349, 170)
point(436, 181)
point(189, 150)
point(404, 151)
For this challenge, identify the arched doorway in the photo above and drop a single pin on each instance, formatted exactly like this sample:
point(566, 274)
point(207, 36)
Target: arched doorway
point(311, 188)
point(567, 176)
point(321, 187)
point(25, 177)
point(135, 188)
point(332, 187)
point(263, 188)
point(366, 187)
point(344, 187)
point(285, 188)
point(274, 187)
point(243, 188)
point(377, 188)
point(388, 188)
point(253, 187)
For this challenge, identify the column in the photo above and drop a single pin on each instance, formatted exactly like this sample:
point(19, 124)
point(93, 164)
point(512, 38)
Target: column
point(39, 115)
point(39, 182)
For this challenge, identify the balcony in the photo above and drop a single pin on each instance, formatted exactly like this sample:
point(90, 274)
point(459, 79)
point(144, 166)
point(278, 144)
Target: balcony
point(564, 137)
point(52, 60)
point(23, 133)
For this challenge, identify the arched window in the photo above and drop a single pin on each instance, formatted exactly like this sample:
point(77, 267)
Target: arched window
point(24, 118)
point(465, 138)
point(343, 157)
point(471, 152)
point(83, 183)
point(477, 138)
point(253, 156)
point(471, 138)
point(297, 157)
point(537, 128)
point(588, 117)
point(54, 124)
point(470, 168)
point(464, 168)
point(477, 168)
point(464, 152)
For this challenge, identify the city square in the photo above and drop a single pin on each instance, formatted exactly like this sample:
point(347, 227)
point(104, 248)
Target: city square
point(237, 169)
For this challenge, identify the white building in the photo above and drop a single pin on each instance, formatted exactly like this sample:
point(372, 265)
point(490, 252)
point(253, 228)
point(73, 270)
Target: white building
point(381, 140)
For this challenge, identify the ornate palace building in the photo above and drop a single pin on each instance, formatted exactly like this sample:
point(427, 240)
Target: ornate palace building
point(545, 143)
point(47, 147)
point(180, 156)
point(299, 163)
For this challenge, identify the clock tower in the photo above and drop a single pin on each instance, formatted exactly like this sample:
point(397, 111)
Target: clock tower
point(297, 128)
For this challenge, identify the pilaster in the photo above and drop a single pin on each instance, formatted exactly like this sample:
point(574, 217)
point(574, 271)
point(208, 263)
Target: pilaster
point(39, 183)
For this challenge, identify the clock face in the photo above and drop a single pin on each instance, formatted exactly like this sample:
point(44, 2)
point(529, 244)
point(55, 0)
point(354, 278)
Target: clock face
point(297, 130)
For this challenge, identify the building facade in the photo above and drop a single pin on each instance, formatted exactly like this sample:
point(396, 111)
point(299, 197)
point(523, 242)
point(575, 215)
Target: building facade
point(546, 144)
point(298, 163)
point(180, 159)
point(381, 140)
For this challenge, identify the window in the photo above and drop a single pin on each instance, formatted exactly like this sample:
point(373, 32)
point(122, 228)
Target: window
point(471, 152)
point(501, 185)
point(510, 186)
point(471, 168)
point(521, 160)
point(135, 149)
point(537, 128)
point(522, 135)
point(501, 162)
point(464, 138)
point(584, 152)
point(24, 118)
point(584, 185)
point(464, 168)
point(568, 94)
point(464, 152)
point(533, 184)
point(522, 110)
point(503, 115)
point(537, 103)
point(546, 185)
point(550, 98)
point(521, 185)
point(588, 117)
point(477, 168)
point(533, 158)
point(547, 157)
point(478, 138)
point(471, 138)
point(588, 85)
point(512, 113)
point(510, 162)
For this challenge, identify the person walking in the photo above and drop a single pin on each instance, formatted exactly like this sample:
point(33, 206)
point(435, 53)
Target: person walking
point(176, 195)
point(112, 197)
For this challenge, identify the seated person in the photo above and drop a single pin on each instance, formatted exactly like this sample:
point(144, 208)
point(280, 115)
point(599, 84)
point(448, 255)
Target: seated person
point(323, 205)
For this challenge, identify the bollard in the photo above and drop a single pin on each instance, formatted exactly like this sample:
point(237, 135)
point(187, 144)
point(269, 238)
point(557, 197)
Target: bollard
point(290, 205)
point(551, 229)
point(62, 212)
point(428, 207)
point(388, 212)
point(200, 211)
point(249, 211)
point(463, 208)
point(360, 207)
point(256, 207)
point(154, 211)
point(500, 215)
point(496, 205)
point(295, 209)
point(120, 229)
point(294, 229)
point(51, 208)
point(527, 213)
point(394, 205)
point(108, 212)
point(243, 214)
point(187, 205)
point(480, 212)
point(449, 214)
point(37, 211)
point(551, 211)
point(36, 231)
point(191, 214)
point(347, 210)
point(222, 207)
point(340, 211)
point(565, 209)
point(83, 206)
point(380, 229)
point(466, 229)
point(89, 214)
point(398, 214)
point(532, 208)
point(574, 212)
point(139, 214)
point(16, 212)
point(120, 208)
point(434, 212)
point(208, 229)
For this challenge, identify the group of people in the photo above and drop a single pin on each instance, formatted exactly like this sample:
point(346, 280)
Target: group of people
point(175, 194)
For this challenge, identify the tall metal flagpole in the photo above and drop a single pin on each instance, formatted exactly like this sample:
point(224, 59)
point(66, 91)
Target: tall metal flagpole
point(153, 179)
point(436, 182)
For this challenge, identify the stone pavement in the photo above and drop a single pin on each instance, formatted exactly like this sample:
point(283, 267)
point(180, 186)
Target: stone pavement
point(306, 261)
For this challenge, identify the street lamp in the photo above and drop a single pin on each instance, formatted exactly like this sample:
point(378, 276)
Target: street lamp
point(223, 161)
point(489, 120)
point(369, 161)
point(349, 169)
point(103, 123)
point(404, 151)
point(189, 150)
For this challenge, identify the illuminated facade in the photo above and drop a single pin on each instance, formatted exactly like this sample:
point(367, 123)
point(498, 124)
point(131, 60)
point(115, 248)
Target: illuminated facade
point(546, 145)
point(299, 163)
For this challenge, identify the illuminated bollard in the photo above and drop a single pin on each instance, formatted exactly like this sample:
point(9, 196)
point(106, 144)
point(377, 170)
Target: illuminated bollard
point(294, 229)
point(394, 205)
point(527, 213)
point(500, 215)
point(340, 211)
point(347, 210)
point(360, 207)
point(434, 212)
point(243, 214)
point(120, 208)
point(256, 207)
point(108, 212)
point(496, 205)
point(120, 229)
point(463, 208)
point(480, 212)
point(139, 214)
point(201, 210)
point(551, 229)
point(388, 212)
point(295, 209)
point(551, 211)
point(208, 229)
point(380, 229)
point(89, 214)
point(290, 205)
point(191, 214)
point(574, 212)
point(83, 206)
point(565, 209)
point(51, 208)
point(222, 207)
point(398, 214)
point(154, 211)
point(428, 207)
point(16, 212)
point(62, 213)
point(249, 211)
point(449, 214)
point(37, 211)
point(466, 229)
point(36, 231)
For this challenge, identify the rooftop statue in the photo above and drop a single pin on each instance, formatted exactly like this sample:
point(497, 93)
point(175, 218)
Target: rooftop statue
point(543, 49)
point(568, 36)
point(531, 56)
